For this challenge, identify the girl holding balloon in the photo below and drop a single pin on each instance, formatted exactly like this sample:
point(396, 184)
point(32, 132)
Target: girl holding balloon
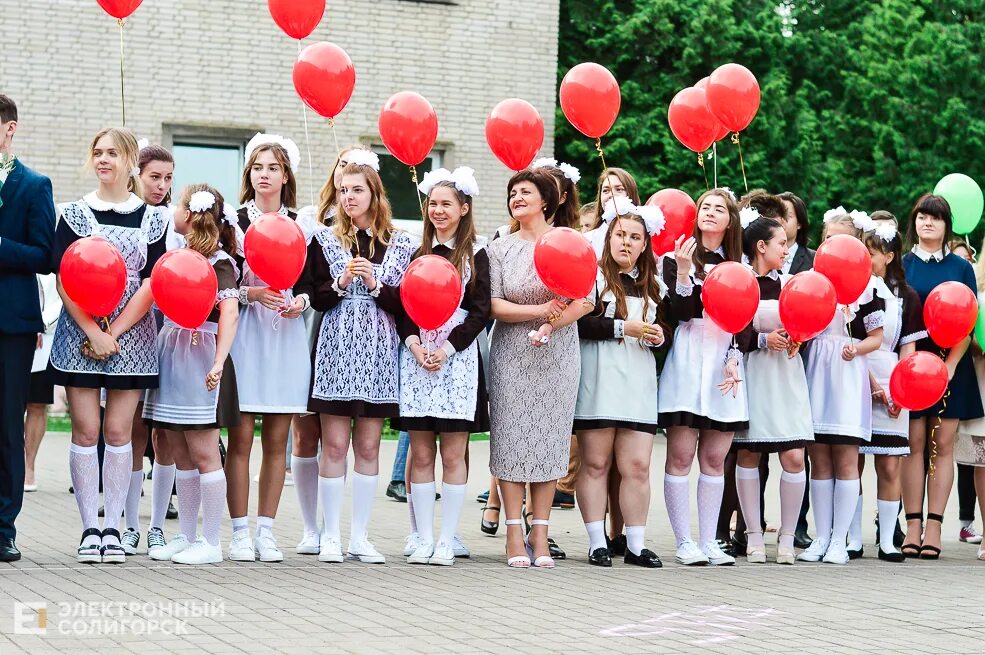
point(352, 273)
point(442, 386)
point(615, 414)
point(116, 353)
point(269, 336)
point(774, 370)
point(701, 397)
point(927, 265)
point(197, 394)
point(841, 398)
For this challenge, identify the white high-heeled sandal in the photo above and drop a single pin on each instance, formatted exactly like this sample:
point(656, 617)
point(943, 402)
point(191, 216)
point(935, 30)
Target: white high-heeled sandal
point(544, 561)
point(520, 561)
point(757, 556)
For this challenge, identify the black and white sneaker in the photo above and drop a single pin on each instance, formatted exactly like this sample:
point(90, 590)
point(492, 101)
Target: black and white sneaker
point(130, 540)
point(155, 540)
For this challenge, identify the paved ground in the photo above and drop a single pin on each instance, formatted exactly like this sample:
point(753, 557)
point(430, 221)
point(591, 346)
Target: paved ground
point(478, 605)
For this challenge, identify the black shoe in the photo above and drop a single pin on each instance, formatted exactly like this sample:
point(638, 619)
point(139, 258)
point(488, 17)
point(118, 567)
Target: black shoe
point(733, 546)
point(647, 559)
point(8, 550)
point(889, 557)
point(856, 554)
point(222, 453)
point(483, 497)
point(102, 511)
point(617, 546)
point(563, 500)
point(397, 489)
point(489, 527)
point(172, 512)
point(802, 540)
point(555, 550)
point(898, 535)
point(600, 557)
point(71, 490)
point(112, 553)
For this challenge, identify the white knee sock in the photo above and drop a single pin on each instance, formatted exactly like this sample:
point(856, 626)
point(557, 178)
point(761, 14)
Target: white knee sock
point(845, 501)
point(131, 510)
point(83, 463)
point(888, 511)
point(410, 507)
point(305, 471)
point(117, 467)
point(452, 502)
point(161, 494)
point(747, 489)
point(363, 496)
point(678, 500)
point(822, 502)
point(711, 488)
point(330, 493)
point(596, 535)
point(213, 490)
point(424, 497)
point(634, 538)
point(791, 498)
point(189, 487)
point(855, 527)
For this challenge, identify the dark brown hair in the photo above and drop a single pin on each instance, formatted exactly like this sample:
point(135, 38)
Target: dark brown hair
point(288, 193)
point(546, 186)
point(8, 110)
point(567, 212)
point(464, 236)
point(895, 275)
point(800, 211)
point(155, 153)
point(936, 206)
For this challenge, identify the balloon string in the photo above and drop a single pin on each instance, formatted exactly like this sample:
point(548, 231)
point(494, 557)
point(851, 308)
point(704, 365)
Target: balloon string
point(123, 99)
point(307, 144)
point(701, 163)
point(714, 156)
point(335, 137)
point(417, 191)
point(742, 164)
point(939, 420)
point(605, 167)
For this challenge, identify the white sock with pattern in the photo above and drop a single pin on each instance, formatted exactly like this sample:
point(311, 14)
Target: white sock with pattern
point(711, 489)
point(189, 487)
point(747, 489)
point(83, 464)
point(213, 490)
point(161, 494)
point(117, 467)
point(677, 497)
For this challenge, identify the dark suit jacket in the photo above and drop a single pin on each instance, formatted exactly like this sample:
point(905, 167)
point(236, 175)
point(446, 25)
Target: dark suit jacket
point(27, 230)
point(803, 260)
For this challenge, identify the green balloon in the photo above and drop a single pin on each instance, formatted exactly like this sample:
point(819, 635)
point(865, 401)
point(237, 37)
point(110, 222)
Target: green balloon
point(980, 327)
point(966, 200)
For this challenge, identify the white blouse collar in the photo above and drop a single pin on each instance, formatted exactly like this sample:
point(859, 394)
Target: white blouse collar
point(635, 273)
point(254, 212)
point(791, 251)
point(936, 256)
point(773, 275)
point(450, 243)
point(129, 205)
point(720, 250)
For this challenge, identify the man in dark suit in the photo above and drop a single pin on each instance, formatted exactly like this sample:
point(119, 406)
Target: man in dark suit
point(27, 229)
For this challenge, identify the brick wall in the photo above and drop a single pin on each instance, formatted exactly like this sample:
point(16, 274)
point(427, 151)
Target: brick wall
point(225, 64)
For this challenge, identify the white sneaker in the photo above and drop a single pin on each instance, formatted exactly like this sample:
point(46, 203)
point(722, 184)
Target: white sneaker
point(364, 551)
point(178, 543)
point(130, 540)
point(814, 552)
point(330, 551)
point(444, 554)
point(266, 547)
point(201, 552)
point(422, 554)
point(461, 550)
point(241, 547)
point(689, 554)
point(308, 545)
point(836, 555)
point(413, 541)
point(717, 556)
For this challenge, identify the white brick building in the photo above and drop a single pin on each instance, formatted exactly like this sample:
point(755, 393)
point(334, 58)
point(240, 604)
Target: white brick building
point(213, 72)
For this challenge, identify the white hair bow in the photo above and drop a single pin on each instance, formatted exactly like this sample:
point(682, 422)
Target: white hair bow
point(229, 214)
point(462, 177)
point(832, 214)
point(653, 218)
point(861, 220)
point(201, 201)
point(618, 206)
point(363, 158)
point(747, 215)
point(886, 231)
point(259, 139)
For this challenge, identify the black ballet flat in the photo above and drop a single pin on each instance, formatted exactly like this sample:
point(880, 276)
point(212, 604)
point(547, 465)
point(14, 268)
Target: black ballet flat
point(802, 540)
point(489, 527)
point(600, 557)
point(647, 559)
point(891, 557)
point(617, 546)
point(856, 554)
point(555, 550)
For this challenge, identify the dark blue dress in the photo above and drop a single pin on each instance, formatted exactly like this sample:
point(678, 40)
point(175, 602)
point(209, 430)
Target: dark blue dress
point(964, 402)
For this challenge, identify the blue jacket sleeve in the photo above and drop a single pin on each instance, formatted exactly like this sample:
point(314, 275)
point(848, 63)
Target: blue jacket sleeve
point(34, 255)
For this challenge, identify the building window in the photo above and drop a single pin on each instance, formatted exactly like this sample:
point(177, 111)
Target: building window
point(404, 197)
point(218, 165)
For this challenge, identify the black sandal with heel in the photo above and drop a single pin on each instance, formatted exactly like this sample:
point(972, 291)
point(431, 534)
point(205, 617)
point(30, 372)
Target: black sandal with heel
point(931, 552)
point(489, 527)
point(912, 550)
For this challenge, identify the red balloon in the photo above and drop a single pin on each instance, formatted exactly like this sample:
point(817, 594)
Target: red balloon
point(730, 295)
point(515, 132)
point(324, 78)
point(590, 99)
point(807, 305)
point(566, 262)
point(680, 214)
point(408, 127)
point(119, 8)
point(918, 381)
point(93, 275)
point(298, 18)
point(275, 250)
point(845, 261)
point(691, 121)
point(184, 287)
point(703, 84)
point(733, 96)
point(431, 291)
point(949, 313)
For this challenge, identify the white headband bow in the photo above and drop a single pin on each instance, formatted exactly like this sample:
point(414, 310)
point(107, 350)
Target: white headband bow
point(201, 201)
point(617, 206)
point(861, 220)
point(653, 216)
point(462, 177)
point(363, 158)
point(747, 215)
point(229, 214)
point(259, 139)
point(886, 231)
point(569, 171)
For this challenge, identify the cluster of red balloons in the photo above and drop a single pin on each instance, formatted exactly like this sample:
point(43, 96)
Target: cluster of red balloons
point(726, 101)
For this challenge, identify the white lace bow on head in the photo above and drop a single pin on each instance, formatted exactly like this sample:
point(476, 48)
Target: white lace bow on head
point(259, 139)
point(747, 215)
point(363, 158)
point(462, 177)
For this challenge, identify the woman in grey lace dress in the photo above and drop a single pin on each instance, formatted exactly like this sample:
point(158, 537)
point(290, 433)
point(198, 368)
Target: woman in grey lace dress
point(534, 370)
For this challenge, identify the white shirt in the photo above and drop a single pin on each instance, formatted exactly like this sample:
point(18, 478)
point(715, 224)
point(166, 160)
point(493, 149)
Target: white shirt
point(936, 256)
point(788, 262)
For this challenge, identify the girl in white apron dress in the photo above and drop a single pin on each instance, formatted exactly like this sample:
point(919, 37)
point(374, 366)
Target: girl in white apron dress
point(197, 393)
point(701, 398)
point(272, 365)
point(775, 370)
point(841, 404)
point(442, 388)
point(616, 413)
point(122, 359)
point(902, 328)
point(353, 273)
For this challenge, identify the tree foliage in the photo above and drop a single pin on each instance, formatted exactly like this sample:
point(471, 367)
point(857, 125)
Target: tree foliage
point(864, 104)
